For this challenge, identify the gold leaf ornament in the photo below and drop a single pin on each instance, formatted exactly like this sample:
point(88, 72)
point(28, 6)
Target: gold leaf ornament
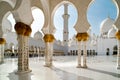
point(28, 31)
point(2, 41)
point(20, 28)
point(48, 38)
point(82, 36)
point(79, 36)
point(118, 35)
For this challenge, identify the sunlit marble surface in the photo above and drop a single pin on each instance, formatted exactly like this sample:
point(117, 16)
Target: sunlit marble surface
point(64, 68)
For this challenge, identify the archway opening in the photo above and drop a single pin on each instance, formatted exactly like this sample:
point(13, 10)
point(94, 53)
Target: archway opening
point(59, 21)
point(11, 21)
point(98, 11)
point(38, 20)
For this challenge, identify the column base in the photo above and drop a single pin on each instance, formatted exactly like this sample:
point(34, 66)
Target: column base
point(79, 66)
point(118, 67)
point(1, 62)
point(23, 72)
point(47, 65)
point(85, 66)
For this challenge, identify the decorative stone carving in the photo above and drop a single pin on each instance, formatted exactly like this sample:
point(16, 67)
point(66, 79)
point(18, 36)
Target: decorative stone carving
point(82, 37)
point(23, 32)
point(2, 42)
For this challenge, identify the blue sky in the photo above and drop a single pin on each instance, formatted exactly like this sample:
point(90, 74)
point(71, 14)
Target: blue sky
point(100, 10)
point(97, 12)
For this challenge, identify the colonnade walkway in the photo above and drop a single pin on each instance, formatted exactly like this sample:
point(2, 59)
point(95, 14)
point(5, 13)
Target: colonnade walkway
point(64, 68)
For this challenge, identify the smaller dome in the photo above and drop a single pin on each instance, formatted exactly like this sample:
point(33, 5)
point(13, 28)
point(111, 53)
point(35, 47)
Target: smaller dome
point(106, 25)
point(38, 35)
point(112, 32)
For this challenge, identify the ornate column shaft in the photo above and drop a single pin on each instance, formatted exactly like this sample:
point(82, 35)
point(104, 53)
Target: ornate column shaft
point(84, 56)
point(20, 53)
point(2, 42)
point(118, 55)
point(23, 32)
point(26, 55)
point(85, 38)
point(118, 52)
point(79, 38)
point(79, 55)
point(82, 37)
point(48, 38)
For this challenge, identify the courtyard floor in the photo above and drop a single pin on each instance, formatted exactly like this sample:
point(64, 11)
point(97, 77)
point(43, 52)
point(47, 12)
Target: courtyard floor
point(64, 68)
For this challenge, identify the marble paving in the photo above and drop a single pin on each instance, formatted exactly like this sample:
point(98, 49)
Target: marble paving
point(64, 68)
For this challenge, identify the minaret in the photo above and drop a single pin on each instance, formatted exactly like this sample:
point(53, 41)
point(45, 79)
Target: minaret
point(65, 29)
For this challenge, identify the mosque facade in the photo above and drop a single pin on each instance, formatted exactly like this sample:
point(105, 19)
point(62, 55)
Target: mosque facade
point(103, 44)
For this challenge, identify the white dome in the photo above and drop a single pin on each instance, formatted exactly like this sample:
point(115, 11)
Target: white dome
point(106, 25)
point(112, 32)
point(38, 35)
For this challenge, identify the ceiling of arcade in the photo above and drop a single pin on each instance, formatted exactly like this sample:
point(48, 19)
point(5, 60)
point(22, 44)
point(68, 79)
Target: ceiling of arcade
point(17, 7)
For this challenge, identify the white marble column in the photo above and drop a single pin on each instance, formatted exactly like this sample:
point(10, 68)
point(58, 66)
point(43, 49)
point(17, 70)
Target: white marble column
point(1, 53)
point(2, 44)
point(23, 31)
point(118, 55)
point(79, 55)
point(49, 39)
point(23, 54)
point(20, 53)
point(48, 54)
point(84, 55)
point(26, 55)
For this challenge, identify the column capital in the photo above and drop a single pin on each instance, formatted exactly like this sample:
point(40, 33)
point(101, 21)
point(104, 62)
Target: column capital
point(23, 29)
point(79, 37)
point(82, 36)
point(2, 41)
point(28, 31)
point(85, 36)
point(118, 34)
point(48, 38)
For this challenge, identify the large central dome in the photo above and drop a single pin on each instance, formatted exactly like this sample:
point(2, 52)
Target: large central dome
point(38, 35)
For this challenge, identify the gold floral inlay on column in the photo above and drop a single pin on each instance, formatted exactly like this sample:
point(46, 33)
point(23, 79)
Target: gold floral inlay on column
point(20, 28)
point(23, 29)
point(28, 30)
point(48, 38)
point(79, 36)
point(118, 35)
point(85, 36)
point(2, 41)
point(82, 36)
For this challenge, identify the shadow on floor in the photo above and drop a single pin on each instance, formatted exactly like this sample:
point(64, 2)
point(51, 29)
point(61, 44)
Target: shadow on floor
point(64, 75)
point(105, 72)
point(25, 76)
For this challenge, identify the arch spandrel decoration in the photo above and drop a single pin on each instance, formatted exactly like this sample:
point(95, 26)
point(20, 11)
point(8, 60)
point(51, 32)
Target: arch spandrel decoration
point(36, 3)
point(82, 24)
point(10, 2)
point(45, 5)
point(22, 12)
